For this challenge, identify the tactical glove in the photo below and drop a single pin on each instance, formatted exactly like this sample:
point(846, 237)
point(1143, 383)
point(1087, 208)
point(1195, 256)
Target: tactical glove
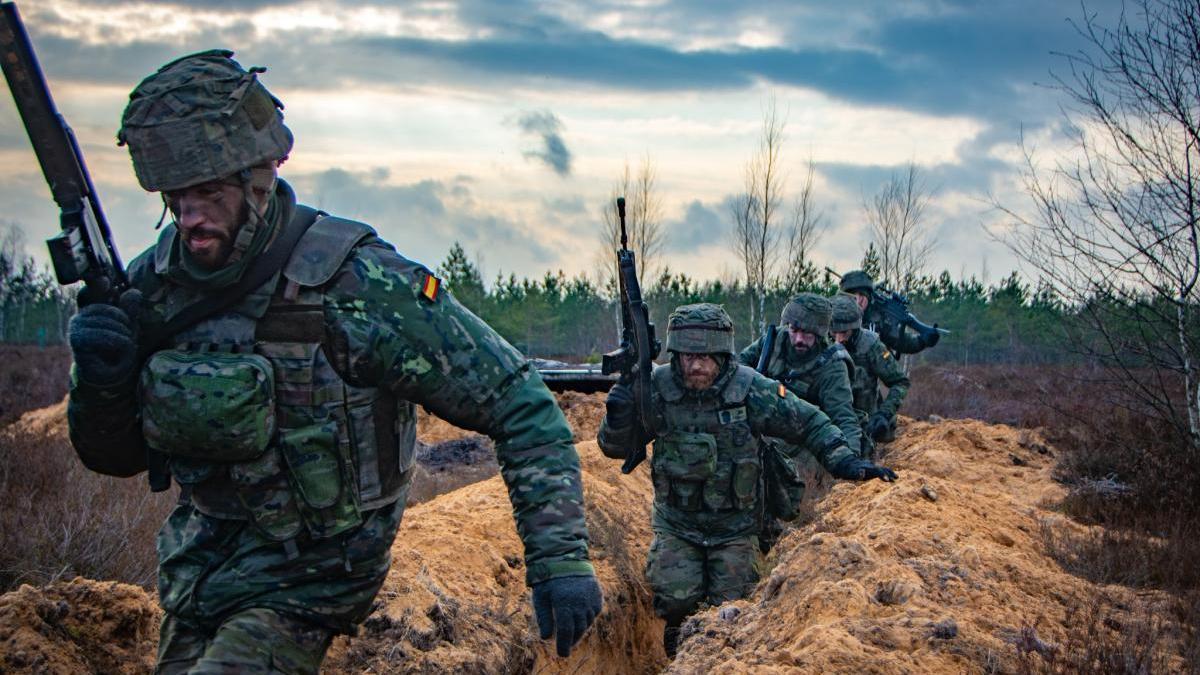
point(103, 340)
point(931, 339)
point(566, 606)
point(619, 406)
point(878, 426)
point(853, 468)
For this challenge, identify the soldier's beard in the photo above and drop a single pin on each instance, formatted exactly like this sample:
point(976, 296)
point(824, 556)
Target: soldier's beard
point(699, 374)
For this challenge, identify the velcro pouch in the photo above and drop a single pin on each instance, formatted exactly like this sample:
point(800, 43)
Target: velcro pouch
point(315, 469)
point(216, 406)
point(685, 461)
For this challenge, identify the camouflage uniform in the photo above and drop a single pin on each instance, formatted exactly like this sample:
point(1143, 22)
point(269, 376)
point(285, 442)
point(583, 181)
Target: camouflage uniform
point(707, 466)
point(822, 375)
point(873, 363)
point(288, 417)
point(896, 337)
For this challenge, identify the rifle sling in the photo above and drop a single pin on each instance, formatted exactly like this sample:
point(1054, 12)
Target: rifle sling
point(268, 264)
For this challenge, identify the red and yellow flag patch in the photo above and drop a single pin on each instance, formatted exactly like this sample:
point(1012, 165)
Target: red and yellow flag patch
point(782, 391)
point(430, 287)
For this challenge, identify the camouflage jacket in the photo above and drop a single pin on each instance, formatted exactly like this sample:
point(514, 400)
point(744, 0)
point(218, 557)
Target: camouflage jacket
point(899, 339)
point(821, 376)
point(355, 335)
point(874, 363)
point(706, 462)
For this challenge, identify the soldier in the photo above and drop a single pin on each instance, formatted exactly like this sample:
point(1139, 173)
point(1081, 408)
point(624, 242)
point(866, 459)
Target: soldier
point(708, 465)
point(270, 356)
point(896, 337)
point(873, 363)
point(815, 370)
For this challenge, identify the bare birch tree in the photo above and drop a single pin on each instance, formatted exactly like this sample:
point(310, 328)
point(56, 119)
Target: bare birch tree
point(755, 212)
point(896, 221)
point(643, 224)
point(1115, 228)
point(805, 231)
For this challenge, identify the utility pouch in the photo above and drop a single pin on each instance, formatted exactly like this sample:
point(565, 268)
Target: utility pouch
point(263, 490)
point(784, 485)
point(216, 406)
point(746, 473)
point(685, 460)
point(314, 465)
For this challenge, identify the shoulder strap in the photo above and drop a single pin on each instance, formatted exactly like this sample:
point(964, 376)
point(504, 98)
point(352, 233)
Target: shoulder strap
point(738, 387)
point(665, 384)
point(267, 265)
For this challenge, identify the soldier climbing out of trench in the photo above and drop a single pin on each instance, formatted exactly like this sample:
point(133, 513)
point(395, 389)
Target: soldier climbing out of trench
point(712, 479)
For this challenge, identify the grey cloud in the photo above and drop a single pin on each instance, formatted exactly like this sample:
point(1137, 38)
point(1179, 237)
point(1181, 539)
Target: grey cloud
point(422, 218)
point(547, 128)
point(701, 226)
point(571, 205)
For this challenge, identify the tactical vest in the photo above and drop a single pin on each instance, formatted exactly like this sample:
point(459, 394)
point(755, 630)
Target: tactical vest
point(864, 383)
point(256, 421)
point(706, 458)
point(799, 380)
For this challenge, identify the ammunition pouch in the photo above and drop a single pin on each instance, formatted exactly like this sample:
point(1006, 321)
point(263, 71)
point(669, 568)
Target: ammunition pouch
point(784, 484)
point(209, 405)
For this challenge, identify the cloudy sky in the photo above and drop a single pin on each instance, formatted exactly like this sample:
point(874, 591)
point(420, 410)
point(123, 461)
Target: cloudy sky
point(503, 125)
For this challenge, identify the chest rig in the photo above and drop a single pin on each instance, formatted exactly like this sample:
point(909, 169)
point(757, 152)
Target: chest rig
point(254, 418)
point(800, 378)
point(706, 458)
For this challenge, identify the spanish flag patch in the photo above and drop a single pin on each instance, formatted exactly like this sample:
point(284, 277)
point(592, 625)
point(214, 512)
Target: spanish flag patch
point(430, 287)
point(782, 391)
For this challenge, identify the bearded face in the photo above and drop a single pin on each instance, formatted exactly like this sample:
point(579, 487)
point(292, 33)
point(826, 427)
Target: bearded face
point(699, 371)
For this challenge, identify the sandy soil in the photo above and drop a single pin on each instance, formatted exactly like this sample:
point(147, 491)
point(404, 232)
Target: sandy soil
point(944, 571)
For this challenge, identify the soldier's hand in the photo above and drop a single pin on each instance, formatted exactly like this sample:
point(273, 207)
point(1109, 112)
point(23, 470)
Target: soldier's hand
point(854, 468)
point(103, 340)
point(881, 472)
point(565, 607)
point(619, 407)
point(878, 426)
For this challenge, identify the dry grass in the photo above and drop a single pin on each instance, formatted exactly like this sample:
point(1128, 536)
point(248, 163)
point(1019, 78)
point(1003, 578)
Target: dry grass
point(30, 378)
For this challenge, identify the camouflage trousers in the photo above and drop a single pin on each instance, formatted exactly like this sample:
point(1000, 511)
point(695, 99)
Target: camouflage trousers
point(250, 641)
point(212, 569)
point(683, 574)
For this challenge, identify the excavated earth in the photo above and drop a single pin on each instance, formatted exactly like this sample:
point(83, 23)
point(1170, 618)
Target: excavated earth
point(944, 571)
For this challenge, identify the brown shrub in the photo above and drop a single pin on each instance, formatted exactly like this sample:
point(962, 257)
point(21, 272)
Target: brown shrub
point(59, 520)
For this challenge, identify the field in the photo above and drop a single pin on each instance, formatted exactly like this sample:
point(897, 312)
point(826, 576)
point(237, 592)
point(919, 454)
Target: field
point(1060, 539)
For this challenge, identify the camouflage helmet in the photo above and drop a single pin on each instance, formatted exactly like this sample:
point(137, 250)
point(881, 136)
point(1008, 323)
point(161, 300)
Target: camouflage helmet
point(857, 280)
point(703, 328)
point(808, 312)
point(846, 314)
point(201, 118)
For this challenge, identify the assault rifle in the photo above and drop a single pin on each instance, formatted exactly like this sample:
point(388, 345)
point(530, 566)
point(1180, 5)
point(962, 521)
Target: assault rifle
point(84, 250)
point(895, 307)
point(768, 346)
point(634, 359)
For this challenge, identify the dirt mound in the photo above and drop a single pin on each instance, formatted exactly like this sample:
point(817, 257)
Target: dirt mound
point(945, 571)
point(80, 626)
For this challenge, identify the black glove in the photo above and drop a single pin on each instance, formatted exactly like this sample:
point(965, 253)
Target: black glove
point(878, 426)
point(103, 340)
point(853, 468)
point(566, 606)
point(933, 337)
point(620, 407)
